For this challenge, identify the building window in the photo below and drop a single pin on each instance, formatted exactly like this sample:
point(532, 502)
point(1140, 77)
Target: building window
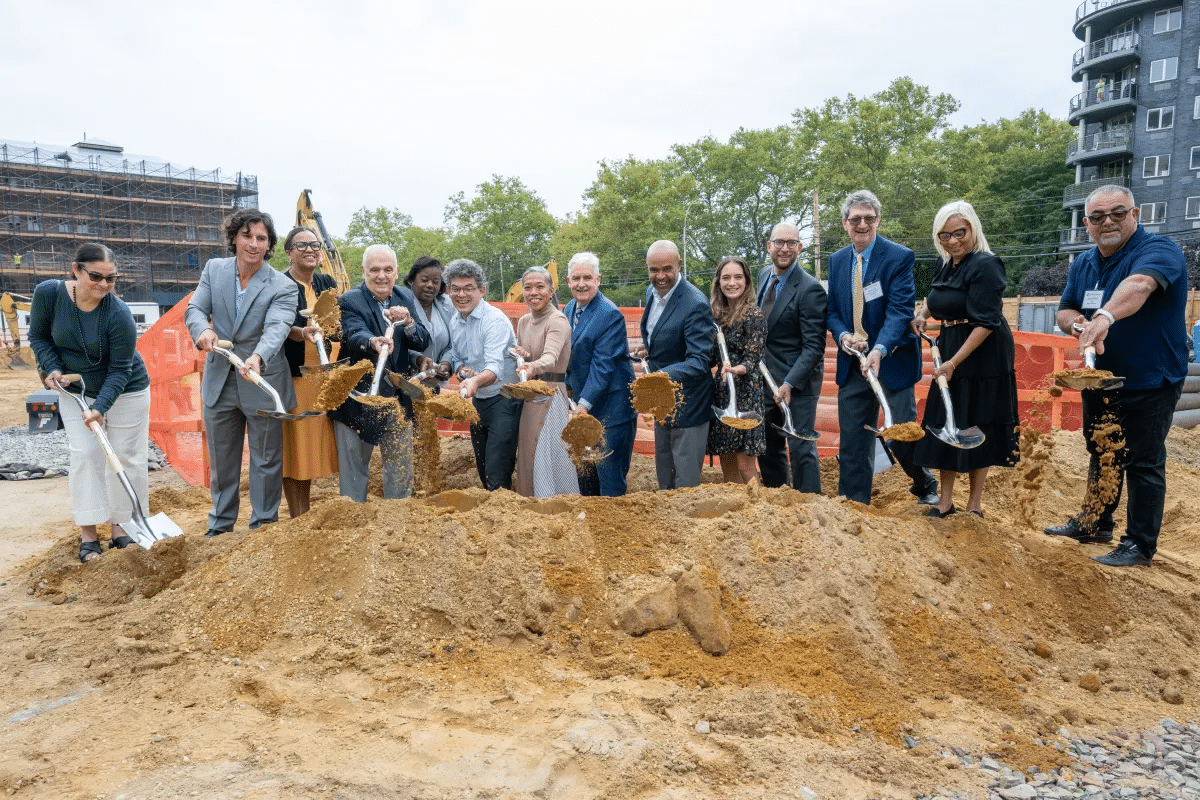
point(1196, 108)
point(81, 227)
point(33, 225)
point(13, 222)
point(1195, 158)
point(1159, 119)
point(1169, 20)
point(1164, 69)
point(1192, 210)
point(64, 226)
point(1156, 166)
point(1153, 213)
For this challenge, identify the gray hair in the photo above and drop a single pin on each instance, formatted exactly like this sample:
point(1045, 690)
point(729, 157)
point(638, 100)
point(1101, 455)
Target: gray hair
point(959, 208)
point(379, 249)
point(861, 197)
point(464, 268)
point(590, 259)
point(540, 271)
point(1105, 191)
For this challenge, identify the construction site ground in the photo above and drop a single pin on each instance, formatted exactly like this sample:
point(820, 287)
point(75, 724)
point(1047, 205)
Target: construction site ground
point(470, 645)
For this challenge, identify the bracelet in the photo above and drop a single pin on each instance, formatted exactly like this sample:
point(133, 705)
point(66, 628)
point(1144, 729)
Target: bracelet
point(1105, 312)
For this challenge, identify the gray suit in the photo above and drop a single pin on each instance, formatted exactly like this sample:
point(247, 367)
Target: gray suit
point(259, 326)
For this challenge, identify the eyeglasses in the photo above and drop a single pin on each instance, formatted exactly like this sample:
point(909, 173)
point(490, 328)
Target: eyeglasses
point(461, 289)
point(1117, 214)
point(785, 243)
point(100, 277)
point(306, 245)
point(856, 221)
point(946, 236)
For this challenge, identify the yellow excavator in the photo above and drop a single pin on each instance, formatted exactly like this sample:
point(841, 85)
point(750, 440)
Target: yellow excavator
point(516, 292)
point(10, 305)
point(331, 260)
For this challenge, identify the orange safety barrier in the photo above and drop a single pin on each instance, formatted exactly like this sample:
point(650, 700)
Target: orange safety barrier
point(177, 428)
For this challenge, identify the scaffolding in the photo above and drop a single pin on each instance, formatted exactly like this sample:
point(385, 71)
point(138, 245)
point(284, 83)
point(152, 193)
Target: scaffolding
point(161, 221)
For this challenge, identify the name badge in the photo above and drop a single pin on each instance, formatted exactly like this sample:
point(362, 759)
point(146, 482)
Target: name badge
point(1093, 299)
point(872, 291)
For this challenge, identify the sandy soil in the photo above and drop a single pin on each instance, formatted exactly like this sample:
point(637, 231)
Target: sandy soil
point(470, 645)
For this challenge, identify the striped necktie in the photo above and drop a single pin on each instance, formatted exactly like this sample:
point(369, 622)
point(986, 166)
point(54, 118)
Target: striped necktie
point(859, 301)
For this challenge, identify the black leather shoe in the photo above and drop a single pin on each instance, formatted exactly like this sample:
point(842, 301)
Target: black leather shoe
point(1127, 554)
point(1073, 530)
point(928, 499)
point(211, 532)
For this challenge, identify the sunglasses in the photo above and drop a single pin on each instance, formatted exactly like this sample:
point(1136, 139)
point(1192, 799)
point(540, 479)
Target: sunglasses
point(100, 277)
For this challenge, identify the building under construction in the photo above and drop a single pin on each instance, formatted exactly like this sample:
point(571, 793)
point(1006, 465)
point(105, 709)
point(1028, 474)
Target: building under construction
point(162, 221)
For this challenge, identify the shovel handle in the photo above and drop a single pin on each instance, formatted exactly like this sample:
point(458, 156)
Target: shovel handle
point(109, 453)
point(70, 377)
point(721, 344)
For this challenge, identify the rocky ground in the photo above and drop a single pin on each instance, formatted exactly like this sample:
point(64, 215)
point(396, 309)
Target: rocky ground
point(721, 642)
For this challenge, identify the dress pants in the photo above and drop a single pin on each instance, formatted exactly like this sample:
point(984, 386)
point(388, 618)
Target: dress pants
point(679, 455)
point(1145, 417)
point(494, 440)
point(97, 495)
point(612, 472)
point(227, 425)
point(354, 464)
point(858, 406)
point(804, 468)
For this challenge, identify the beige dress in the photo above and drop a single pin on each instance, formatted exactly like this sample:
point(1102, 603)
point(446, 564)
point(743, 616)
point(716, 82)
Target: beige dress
point(309, 450)
point(544, 468)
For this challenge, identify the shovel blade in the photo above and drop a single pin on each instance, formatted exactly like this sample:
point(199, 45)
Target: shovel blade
point(316, 369)
point(810, 436)
point(163, 527)
point(405, 386)
point(514, 393)
point(967, 439)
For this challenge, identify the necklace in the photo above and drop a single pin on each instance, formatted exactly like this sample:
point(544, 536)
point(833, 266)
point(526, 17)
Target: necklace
point(100, 330)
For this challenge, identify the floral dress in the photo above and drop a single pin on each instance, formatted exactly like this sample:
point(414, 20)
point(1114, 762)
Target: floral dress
point(745, 342)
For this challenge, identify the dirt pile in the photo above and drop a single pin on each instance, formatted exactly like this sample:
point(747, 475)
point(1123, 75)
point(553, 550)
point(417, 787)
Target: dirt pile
point(569, 647)
point(657, 395)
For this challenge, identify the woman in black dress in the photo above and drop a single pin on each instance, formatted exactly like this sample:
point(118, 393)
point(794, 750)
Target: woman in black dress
point(745, 329)
point(977, 357)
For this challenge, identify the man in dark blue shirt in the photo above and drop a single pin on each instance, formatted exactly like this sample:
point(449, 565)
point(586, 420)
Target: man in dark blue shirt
point(1132, 285)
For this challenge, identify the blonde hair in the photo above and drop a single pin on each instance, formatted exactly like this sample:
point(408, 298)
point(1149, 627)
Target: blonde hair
point(959, 208)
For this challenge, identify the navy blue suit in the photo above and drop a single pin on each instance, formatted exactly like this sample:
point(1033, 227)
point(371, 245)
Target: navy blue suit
point(599, 372)
point(795, 354)
point(681, 346)
point(886, 322)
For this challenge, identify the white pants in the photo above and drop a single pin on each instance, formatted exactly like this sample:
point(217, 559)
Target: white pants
point(96, 494)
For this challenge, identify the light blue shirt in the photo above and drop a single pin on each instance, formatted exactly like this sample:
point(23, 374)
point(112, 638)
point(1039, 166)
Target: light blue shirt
point(658, 304)
point(482, 341)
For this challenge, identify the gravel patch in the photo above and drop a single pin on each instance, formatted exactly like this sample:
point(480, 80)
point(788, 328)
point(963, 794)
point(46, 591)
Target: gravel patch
point(25, 456)
point(1162, 763)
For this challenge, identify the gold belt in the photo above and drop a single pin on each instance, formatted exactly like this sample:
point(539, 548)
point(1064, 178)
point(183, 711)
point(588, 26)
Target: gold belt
point(950, 323)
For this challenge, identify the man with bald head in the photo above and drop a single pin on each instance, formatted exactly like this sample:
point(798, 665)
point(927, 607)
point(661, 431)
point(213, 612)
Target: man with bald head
point(793, 304)
point(678, 336)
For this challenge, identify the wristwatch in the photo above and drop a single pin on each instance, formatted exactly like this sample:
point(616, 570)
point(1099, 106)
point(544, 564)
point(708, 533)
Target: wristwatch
point(1105, 312)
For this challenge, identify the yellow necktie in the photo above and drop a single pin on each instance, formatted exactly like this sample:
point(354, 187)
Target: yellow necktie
point(859, 302)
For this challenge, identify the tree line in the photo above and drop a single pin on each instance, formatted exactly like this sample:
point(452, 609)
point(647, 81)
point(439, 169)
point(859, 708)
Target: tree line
point(719, 197)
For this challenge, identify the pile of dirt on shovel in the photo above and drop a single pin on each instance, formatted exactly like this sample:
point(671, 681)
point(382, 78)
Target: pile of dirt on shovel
point(794, 626)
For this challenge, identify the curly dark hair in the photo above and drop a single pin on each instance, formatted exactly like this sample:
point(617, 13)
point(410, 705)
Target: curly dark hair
point(245, 218)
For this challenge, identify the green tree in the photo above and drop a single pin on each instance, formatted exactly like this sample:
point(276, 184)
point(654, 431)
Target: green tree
point(504, 227)
point(395, 229)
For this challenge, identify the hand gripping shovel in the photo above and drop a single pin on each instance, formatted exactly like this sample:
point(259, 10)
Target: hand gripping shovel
point(326, 365)
point(872, 379)
point(225, 348)
point(951, 435)
point(1090, 377)
point(584, 429)
point(144, 531)
point(514, 391)
point(788, 428)
point(741, 420)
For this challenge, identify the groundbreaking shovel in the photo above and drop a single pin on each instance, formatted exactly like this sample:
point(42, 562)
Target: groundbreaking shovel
point(788, 428)
point(965, 439)
point(326, 365)
point(873, 379)
point(224, 347)
point(408, 386)
point(515, 392)
point(730, 414)
point(144, 531)
point(1093, 379)
point(591, 452)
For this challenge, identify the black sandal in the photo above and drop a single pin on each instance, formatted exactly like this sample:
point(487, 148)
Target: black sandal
point(89, 549)
point(937, 513)
point(119, 542)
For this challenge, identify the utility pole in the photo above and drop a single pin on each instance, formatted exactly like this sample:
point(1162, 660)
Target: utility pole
point(816, 237)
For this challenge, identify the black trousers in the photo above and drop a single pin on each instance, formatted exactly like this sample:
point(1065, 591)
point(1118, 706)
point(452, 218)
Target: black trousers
point(1145, 417)
point(494, 440)
point(787, 457)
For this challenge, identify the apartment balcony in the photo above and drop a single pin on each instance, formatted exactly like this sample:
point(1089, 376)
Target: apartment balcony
point(1103, 100)
point(1074, 239)
point(1098, 147)
point(1108, 54)
point(1104, 15)
point(1076, 194)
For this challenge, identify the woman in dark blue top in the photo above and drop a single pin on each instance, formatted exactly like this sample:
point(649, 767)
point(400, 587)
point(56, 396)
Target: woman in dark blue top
point(80, 326)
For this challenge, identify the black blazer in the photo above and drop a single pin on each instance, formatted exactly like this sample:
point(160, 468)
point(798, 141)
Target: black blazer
point(681, 346)
point(293, 351)
point(795, 349)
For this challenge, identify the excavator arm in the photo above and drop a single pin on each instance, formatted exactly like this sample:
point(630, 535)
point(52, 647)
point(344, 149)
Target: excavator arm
point(9, 305)
point(331, 259)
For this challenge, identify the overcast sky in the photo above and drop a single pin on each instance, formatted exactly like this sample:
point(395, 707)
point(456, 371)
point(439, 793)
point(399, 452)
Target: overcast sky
point(404, 103)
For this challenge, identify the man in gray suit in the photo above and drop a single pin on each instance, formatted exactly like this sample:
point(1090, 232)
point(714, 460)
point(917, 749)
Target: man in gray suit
point(793, 304)
point(244, 300)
